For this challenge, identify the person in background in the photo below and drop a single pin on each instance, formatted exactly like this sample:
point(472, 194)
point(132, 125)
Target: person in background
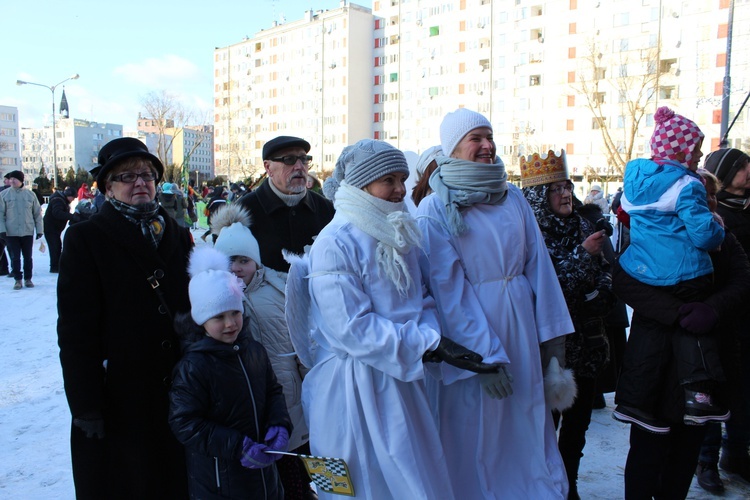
point(497, 294)
point(264, 313)
point(4, 258)
point(426, 164)
point(596, 196)
point(575, 247)
point(174, 202)
point(37, 193)
point(662, 465)
point(84, 193)
point(56, 217)
point(20, 217)
point(118, 350)
point(226, 405)
point(732, 169)
point(286, 215)
point(313, 183)
point(217, 200)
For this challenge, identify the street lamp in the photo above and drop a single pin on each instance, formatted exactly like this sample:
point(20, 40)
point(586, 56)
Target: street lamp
point(54, 130)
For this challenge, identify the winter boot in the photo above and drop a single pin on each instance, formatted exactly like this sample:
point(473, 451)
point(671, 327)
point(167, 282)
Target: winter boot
point(736, 465)
point(700, 408)
point(17, 285)
point(708, 477)
point(28, 284)
point(643, 419)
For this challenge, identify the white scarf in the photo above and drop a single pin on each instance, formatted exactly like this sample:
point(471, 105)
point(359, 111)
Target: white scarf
point(389, 223)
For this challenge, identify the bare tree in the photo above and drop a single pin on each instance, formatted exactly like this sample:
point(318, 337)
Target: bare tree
point(627, 92)
point(168, 113)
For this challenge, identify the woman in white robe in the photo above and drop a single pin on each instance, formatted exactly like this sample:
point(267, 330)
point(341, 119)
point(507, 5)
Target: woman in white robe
point(498, 295)
point(365, 397)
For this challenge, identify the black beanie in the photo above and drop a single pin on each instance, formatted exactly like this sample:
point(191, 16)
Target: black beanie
point(725, 163)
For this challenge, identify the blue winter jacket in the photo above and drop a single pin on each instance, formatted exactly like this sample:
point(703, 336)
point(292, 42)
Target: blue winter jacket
point(671, 227)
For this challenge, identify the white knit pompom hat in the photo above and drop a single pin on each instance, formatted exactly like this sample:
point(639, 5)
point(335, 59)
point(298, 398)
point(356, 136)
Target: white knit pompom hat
point(237, 239)
point(456, 125)
point(213, 289)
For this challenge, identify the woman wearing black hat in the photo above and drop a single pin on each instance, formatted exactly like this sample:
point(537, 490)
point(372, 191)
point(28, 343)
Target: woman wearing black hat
point(118, 348)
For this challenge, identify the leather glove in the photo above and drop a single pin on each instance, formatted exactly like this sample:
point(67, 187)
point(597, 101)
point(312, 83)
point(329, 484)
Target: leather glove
point(697, 317)
point(91, 423)
point(497, 385)
point(253, 456)
point(39, 235)
point(277, 439)
point(554, 348)
point(458, 356)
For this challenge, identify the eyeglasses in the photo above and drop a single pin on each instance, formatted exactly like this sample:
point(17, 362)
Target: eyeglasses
point(292, 159)
point(568, 188)
point(131, 177)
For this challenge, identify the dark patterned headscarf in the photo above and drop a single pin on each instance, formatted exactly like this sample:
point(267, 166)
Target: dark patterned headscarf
point(144, 215)
point(569, 231)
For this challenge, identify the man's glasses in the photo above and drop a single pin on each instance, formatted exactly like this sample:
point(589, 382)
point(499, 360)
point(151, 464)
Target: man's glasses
point(292, 159)
point(131, 177)
point(568, 188)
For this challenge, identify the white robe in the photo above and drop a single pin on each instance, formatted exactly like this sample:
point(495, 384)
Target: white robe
point(498, 294)
point(365, 398)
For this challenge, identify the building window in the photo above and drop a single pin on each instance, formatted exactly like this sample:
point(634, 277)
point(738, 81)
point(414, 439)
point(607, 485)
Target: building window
point(668, 92)
point(535, 80)
point(600, 73)
point(394, 77)
point(668, 66)
point(597, 122)
point(434, 30)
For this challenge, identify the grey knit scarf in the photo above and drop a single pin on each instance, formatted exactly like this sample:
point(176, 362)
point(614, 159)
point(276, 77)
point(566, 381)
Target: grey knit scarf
point(461, 183)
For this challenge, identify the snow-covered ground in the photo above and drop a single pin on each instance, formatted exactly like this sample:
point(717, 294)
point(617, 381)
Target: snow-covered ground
point(35, 422)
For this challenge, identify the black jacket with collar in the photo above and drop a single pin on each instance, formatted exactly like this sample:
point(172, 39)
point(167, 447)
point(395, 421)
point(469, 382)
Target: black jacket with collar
point(277, 226)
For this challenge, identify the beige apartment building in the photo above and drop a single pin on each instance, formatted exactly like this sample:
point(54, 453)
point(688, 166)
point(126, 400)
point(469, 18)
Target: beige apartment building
point(583, 75)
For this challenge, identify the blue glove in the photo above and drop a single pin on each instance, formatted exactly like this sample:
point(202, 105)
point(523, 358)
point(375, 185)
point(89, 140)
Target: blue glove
point(697, 317)
point(253, 456)
point(277, 439)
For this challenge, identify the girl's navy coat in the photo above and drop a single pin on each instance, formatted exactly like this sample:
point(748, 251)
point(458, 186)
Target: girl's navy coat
point(220, 394)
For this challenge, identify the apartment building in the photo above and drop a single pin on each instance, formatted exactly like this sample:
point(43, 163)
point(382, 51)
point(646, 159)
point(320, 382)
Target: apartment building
point(78, 143)
point(310, 78)
point(10, 146)
point(193, 147)
point(583, 75)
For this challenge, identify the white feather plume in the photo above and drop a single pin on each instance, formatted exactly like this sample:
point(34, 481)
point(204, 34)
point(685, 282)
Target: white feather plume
point(205, 259)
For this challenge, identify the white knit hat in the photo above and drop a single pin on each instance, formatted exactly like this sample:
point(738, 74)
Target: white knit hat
point(456, 125)
point(237, 239)
point(364, 162)
point(213, 289)
point(426, 158)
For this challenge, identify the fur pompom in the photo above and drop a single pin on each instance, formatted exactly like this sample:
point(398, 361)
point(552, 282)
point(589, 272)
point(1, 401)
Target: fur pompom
point(228, 215)
point(559, 386)
point(206, 259)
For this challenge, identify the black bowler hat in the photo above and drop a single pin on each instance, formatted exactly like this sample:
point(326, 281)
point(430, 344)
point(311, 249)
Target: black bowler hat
point(283, 142)
point(115, 151)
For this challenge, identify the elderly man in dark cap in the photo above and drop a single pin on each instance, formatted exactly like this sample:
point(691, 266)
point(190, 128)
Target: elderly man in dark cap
point(20, 215)
point(286, 215)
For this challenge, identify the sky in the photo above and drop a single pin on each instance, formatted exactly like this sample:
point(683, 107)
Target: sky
point(123, 51)
point(35, 420)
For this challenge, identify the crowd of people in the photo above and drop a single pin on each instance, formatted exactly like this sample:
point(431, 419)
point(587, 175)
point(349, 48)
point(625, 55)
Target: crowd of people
point(445, 343)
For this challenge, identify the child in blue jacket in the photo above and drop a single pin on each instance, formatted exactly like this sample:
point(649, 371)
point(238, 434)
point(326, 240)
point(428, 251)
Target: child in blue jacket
point(671, 232)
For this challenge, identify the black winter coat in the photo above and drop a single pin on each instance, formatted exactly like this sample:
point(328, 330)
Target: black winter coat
point(736, 216)
point(277, 226)
point(119, 321)
point(222, 393)
point(654, 309)
point(57, 214)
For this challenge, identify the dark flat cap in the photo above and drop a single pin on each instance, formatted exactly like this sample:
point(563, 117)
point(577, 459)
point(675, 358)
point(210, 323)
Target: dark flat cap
point(283, 142)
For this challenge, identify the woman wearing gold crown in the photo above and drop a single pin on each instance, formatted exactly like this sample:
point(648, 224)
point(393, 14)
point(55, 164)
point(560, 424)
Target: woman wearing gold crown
point(576, 251)
point(497, 294)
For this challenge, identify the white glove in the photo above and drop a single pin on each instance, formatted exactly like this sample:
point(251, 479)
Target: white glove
point(497, 385)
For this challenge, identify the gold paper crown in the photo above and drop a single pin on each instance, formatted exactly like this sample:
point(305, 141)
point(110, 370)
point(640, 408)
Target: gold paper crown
point(536, 170)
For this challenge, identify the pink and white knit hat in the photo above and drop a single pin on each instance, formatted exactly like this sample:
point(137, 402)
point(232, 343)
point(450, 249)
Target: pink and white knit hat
point(673, 134)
